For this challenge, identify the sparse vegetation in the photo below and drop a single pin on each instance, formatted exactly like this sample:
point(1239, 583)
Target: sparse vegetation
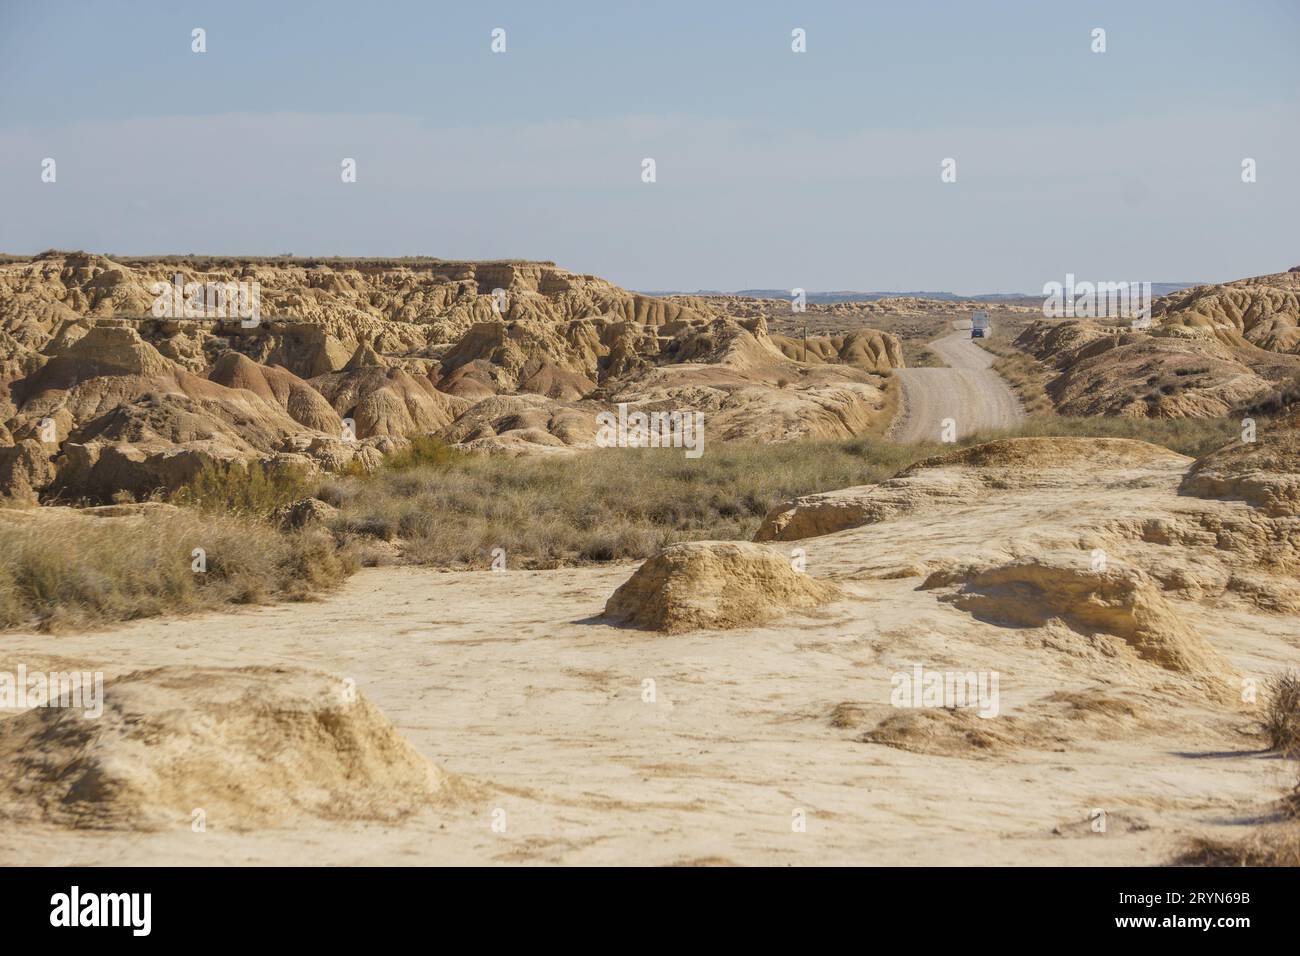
point(1277, 845)
point(1187, 436)
point(59, 572)
point(1026, 375)
point(448, 508)
point(600, 505)
point(918, 355)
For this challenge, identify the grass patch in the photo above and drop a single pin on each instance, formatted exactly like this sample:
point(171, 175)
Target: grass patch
point(452, 510)
point(598, 505)
point(920, 355)
point(62, 570)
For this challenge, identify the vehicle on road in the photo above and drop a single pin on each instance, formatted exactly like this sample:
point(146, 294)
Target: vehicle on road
point(979, 325)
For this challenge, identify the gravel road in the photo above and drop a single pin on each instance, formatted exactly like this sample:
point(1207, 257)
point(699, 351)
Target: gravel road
point(969, 392)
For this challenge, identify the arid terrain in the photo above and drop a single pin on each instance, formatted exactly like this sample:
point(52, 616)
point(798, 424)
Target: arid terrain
point(410, 633)
point(1120, 692)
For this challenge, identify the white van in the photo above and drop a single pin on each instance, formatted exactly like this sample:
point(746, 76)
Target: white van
point(979, 325)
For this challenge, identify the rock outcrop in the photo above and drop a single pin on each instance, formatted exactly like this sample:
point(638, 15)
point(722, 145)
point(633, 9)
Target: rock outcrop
point(1264, 472)
point(964, 475)
point(714, 585)
point(1115, 601)
point(249, 747)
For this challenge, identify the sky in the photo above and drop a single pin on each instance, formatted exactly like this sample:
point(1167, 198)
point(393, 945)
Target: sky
point(773, 169)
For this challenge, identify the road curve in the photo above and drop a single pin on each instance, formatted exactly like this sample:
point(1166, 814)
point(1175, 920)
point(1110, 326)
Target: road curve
point(969, 392)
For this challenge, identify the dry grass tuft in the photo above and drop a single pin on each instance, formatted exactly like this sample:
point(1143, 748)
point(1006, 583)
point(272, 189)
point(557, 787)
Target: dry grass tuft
point(1282, 713)
point(1193, 437)
point(1277, 845)
point(68, 571)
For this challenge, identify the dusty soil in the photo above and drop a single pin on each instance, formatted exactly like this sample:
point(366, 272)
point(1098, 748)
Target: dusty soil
point(514, 683)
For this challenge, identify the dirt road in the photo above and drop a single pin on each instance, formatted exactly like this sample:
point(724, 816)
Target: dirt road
point(968, 392)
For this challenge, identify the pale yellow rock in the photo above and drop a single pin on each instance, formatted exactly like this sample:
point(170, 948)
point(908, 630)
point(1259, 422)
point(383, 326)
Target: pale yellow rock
point(714, 585)
point(249, 746)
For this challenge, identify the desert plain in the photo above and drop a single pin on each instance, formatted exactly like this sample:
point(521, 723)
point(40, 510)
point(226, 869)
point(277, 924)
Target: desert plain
point(681, 697)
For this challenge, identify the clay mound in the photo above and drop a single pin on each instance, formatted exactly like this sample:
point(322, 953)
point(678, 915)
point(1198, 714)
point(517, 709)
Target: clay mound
point(1064, 718)
point(365, 357)
point(250, 746)
point(304, 404)
point(522, 355)
point(517, 424)
point(1119, 601)
point(1265, 472)
point(724, 342)
point(748, 390)
point(1210, 349)
point(1158, 378)
point(388, 401)
point(654, 311)
point(103, 350)
point(25, 468)
point(946, 732)
point(714, 585)
point(869, 349)
point(832, 511)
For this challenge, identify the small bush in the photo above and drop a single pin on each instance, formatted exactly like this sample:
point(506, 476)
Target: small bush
point(423, 451)
point(1282, 713)
point(239, 489)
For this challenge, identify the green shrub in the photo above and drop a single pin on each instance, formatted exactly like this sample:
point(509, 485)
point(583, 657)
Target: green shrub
point(423, 451)
point(238, 489)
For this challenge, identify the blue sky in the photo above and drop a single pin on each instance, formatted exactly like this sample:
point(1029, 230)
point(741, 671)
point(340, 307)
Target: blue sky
point(775, 169)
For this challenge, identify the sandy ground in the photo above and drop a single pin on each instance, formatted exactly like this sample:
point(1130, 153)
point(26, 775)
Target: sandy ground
point(511, 681)
point(968, 392)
